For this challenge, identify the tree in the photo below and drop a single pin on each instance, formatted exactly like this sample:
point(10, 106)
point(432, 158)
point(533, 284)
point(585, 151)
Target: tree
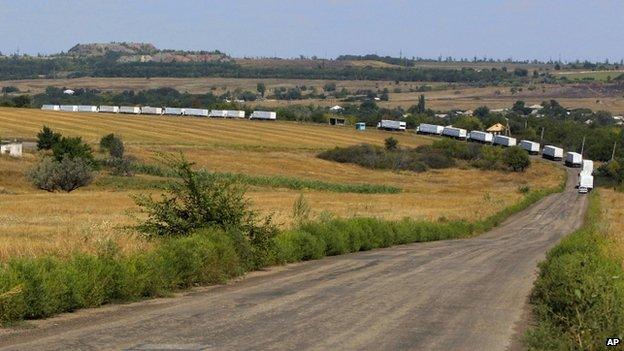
point(46, 138)
point(469, 123)
point(22, 101)
point(73, 148)
point(261, 88)
point(329, 87)
point(113, 144)
point(519, 107)
point(516, 158)
point(391, 144)
point(421, 107)
point(65, 175)
point(481, 112)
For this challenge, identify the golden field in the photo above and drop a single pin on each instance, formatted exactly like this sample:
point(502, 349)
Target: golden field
point(34, 222)
point(613, 207)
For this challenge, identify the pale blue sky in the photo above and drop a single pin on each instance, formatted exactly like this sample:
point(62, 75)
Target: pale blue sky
point(522, 29)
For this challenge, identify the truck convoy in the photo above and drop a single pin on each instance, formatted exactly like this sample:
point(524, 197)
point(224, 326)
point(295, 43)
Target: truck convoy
point(456, 133)
point(505, 141)
point(574, 160)
point(481, 137)
point(425, 128)
point(388, 124)
point(531, 147)
point(552, 153)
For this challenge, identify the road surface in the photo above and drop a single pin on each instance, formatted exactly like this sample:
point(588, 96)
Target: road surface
point(447, 295)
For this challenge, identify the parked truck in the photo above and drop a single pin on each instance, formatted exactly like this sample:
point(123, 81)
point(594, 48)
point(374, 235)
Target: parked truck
point(174, 111)
point(387, 124)
point(552, 153)
point(109, 109)
point(264, 115)
point(504, 140)
point(87, 108)
point(425, 128)
point(456, 133)
point(574, 159)
point(135, 110)
point(51, 107)
point(196, 112)
point(531, 147)
point(481, 137)
point(149, 110)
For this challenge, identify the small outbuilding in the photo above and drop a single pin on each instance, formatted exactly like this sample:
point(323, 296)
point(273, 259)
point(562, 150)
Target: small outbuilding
point(336, 108)
point(496, 129)
point(360, 126)
point(12, 149)
point(337, 121)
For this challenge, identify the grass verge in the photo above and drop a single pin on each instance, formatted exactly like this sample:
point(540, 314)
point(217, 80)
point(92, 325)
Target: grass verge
point(578, 298)
point(39, 287)
point(279, 181)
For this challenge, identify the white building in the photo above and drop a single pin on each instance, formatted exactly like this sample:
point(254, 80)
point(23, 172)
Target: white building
point(68, 92)
point(11, 149)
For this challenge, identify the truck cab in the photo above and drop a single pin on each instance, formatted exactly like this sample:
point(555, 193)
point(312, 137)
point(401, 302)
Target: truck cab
point(583, 190)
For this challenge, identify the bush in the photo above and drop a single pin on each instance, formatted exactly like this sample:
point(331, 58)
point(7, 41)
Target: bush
point(195, 200)
point(516, 158)
point(47, 138)
point(120, 166)
point(391, 144)
point(113, 145)
point(73, 148)
point(65, 175)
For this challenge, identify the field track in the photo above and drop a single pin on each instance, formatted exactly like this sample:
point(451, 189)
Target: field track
point(448, 295)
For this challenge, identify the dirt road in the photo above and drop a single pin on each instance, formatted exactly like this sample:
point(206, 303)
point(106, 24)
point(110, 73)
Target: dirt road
point(447, 295)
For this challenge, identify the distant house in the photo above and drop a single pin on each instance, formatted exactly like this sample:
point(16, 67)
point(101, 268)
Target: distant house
point(68, 92)
point(441, 115)
point(12, 149)
point(589, 121)
point(496, 129)
point(336, 108)
point(337, 121)
point(535, 109)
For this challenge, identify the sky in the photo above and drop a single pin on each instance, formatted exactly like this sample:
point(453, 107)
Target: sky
point(521, 29)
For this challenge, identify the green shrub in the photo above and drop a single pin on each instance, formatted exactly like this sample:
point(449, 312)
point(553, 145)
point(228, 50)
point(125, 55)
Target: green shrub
point(65, 175)
point(391, 144)
point(112, 144)
point(47, 138)
point(516, 158)
point(73, 148)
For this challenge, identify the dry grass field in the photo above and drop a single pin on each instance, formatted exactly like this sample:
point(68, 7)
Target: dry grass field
point(35, 222)
point(613, 206)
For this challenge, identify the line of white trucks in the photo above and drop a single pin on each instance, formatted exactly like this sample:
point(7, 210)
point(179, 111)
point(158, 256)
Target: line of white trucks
point(550, 152)
point(170, 111)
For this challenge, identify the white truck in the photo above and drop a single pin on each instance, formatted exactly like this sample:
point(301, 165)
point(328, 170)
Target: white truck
point(234, 114)
point(531, 147)
point(388, 124)
point(586, 183)
point(552, 153)
point(87, 108)
point(109, 109)
point(51, 107)
point(588, 167)
point(425, 128)
point(504, 140)
point(264, 115)
point(175, 111)
point(574, 159)
point(481, 137)
point(456, 133)
point(149, 110)
point(135, 110)
point(68, 108)
point(196, 112)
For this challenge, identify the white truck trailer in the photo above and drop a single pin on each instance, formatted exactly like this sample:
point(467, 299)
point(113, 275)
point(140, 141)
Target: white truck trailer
point(504, 140)
point(234, 114)
point(218, 113)
point(68, 108)
point(552, 153)
point(264, 115)
point(148, 110)
point(425, 128)
point(388, 124)
point(456, 133)
point(588, 167)
point(531, 147)
point(574, 160)
point(175, 111)
point(586, 183)
point(109, 109)
point(87, 108)
point(135, 110)
point(51, 107)
point(481, 137)
point(196, 112)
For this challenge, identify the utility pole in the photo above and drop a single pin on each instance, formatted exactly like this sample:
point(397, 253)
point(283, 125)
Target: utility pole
point(542, 137)
point(613, 153)
point(583, 146)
